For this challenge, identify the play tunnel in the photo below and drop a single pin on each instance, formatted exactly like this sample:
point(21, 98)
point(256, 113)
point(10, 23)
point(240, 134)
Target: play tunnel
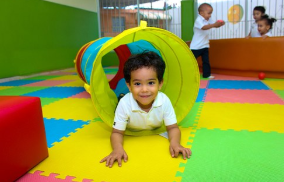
point(181, 78)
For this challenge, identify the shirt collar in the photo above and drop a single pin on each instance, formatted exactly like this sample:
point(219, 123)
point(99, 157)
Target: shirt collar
point(203, 19)
point(135, 107)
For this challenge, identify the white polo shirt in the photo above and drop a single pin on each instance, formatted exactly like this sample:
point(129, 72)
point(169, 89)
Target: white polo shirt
point(129, 115)
point(269, 34)
point(200, 37)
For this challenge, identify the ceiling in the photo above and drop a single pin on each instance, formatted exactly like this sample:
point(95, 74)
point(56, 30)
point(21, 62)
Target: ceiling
point(122, 3)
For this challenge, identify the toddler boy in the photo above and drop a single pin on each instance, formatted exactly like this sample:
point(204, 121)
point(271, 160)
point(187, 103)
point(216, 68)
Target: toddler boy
point(200, 41)
point(144, 108)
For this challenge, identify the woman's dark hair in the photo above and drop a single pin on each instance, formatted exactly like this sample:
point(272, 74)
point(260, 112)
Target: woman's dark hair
point(259, 8)
point(146, 59)
point(268, 20)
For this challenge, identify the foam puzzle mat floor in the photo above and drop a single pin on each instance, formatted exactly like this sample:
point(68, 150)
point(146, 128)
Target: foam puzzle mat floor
point(235, 131)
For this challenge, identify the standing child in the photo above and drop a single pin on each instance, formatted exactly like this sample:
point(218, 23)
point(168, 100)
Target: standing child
point(258, 12)
point(200, 41)
point(144, 108)
point(265, 25)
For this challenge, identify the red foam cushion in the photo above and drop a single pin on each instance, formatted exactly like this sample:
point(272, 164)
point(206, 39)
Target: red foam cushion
point(22, 136)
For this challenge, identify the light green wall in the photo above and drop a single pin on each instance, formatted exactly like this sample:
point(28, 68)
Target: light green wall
point(187, 19)
point(41, 36)
point(110, 59)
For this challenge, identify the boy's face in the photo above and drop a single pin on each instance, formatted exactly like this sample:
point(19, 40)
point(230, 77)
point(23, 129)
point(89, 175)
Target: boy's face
point(257, 15)
point(263, 28)
point(144, 86)
point(206, 12)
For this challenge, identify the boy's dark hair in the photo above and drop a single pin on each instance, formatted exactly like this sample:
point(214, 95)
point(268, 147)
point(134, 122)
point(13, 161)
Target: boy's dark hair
point(202, 6)
point(268, 21)
point(259, 8)
point(146, 59)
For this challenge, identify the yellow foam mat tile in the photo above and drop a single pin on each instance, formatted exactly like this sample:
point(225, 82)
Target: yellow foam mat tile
point(237, 116)
point(76, 83)
point(67, 77)
point(70, 108)
point(79, 156)
point(275, 84)
point(4, 87)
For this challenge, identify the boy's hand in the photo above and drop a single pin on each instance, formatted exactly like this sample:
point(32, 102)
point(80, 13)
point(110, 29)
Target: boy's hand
point(218, 24)
point(176, 148)
point(174, 138)
point(116, 155)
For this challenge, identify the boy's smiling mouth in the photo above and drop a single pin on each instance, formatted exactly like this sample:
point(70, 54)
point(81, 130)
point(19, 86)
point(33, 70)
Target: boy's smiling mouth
point(145, 96)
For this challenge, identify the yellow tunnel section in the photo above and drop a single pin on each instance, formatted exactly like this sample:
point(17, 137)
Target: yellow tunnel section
point(181, 78)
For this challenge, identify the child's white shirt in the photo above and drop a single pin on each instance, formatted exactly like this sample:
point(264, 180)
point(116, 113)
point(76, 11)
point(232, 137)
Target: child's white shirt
point(129, 115)
point(269, 34)
point(200, 37)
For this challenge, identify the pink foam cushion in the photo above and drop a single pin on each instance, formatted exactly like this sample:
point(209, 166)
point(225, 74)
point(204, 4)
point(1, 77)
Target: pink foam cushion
point(22, 136)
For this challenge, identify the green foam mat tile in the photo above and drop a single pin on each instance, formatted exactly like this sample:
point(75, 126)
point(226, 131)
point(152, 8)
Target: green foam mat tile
point(280, 93)
point(46, 101)
point(111, 73)
point(227, 155)
point(20, 90)
point(191, 117)
point(201, 78)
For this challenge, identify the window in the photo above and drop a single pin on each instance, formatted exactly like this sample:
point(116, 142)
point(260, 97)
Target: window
point(118, 24)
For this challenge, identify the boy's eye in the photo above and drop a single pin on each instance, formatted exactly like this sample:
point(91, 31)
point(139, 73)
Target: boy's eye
point(137, 83)
point(151, 83)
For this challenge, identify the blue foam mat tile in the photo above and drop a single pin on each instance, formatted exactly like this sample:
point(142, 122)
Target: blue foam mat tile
point(201, 95)
point(237, 84)
point(57, 92)
point(18, 82)
point(56, 129)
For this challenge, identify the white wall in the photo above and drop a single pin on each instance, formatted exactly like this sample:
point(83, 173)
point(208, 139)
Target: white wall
point(89, 5)
point(175, 23)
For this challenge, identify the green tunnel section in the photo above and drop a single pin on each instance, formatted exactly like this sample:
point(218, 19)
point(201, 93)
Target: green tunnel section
point(181, 78)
